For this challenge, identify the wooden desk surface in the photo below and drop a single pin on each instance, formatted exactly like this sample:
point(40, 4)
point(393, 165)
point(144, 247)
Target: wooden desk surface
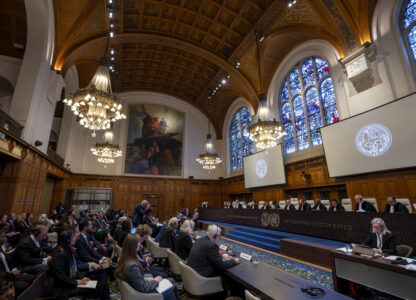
point(373, 262)
point(271, 283)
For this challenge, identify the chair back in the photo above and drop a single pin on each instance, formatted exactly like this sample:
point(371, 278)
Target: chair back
point(261, 204)
point(404, 250)
point(157, 252)
point(118, 250)
point(36, 290)
point(129, 293)
point(250, 296)
point(347, 204)
point(174, 262)
point(327, 203)
point(198, 285)
point(372, 201)
point(282, 204)
point(405, 202)
point(310, 202)
point(295, 202)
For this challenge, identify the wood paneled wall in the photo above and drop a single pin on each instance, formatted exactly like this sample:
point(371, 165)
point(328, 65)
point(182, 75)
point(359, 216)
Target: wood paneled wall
point(23, 172)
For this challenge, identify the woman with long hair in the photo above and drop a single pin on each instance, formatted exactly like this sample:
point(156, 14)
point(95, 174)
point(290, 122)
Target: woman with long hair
point(168, 239)
point(130, 270)
point(64, 275)
point(184, 241)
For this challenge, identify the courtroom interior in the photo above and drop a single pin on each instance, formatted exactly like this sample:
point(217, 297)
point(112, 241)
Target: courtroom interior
point(207, 149)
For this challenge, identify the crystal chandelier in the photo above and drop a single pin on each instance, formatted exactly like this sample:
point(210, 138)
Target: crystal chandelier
point(210, 159)
point(264, 130)
point(96, 106)
point(106, 151)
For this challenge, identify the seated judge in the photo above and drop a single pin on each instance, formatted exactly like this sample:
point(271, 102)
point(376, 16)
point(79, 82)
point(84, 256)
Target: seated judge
point(252, 205)
point(381, 239)
point(168, 239)
point(318, 205)
point(393, 206)
point(289, 206)
point(184, 241)
point(226, 205)
point(205, 205)
point(237, 204)
point(205, 258)
point(335, 206)
point(130, 270)
point(303, 205)
point(362, 205)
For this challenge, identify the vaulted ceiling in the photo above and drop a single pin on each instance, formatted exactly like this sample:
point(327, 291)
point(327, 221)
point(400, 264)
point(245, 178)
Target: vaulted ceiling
point(185, 47)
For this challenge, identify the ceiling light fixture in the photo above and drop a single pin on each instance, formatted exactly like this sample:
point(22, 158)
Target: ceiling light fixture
point(264, 130)
point(209, 159)
point(96, 106)
point(107, 151)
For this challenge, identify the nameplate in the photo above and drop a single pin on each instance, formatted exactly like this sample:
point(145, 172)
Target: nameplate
point(223, 247)
point(245, 256)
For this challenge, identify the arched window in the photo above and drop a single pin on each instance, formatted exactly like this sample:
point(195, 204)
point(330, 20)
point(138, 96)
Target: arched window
point(307, 102)
point(409, 28)
point(240, 144)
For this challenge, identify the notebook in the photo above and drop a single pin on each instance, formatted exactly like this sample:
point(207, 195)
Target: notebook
point(164, 286)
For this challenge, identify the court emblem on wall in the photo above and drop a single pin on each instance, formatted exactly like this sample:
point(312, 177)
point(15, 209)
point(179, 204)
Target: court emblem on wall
point(373, 140)
point(272, 219)
point(261, 168)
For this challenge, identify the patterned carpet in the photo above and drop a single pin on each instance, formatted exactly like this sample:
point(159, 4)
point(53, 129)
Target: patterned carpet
point(308, 272)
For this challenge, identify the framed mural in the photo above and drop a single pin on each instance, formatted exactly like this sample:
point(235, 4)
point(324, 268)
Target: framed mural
point(154, 140)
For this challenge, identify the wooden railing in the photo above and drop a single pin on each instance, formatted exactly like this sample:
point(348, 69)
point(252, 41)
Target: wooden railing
point(10, 124)
point(55, 157)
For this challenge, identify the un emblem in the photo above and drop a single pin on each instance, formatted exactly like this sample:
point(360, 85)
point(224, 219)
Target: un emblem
point(274, 220)
point(261, 168)
point(373, 140)
point(265, 219)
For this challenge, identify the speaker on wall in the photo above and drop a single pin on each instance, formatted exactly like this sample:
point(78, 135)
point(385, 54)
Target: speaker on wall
point(191, 177)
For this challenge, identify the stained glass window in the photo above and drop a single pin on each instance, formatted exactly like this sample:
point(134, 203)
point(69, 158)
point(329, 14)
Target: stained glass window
point(240, 144)
point(308, 105)
point(409, 28)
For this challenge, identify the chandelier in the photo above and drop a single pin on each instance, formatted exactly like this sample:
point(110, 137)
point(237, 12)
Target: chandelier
point(106, 151)
point(96, 106)
point(264, 130)
point(210, 159)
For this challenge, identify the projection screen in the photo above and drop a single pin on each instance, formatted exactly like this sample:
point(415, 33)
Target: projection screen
point(381, 139)
point(264, 168)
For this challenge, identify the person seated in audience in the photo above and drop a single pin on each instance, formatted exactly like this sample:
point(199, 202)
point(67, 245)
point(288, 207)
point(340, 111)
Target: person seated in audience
point(29, 254)
point(318, 205)
point(363, 206)
point(96, 245)
point(27, 218)
point(125, 230)
point(380, 238)
point(47, 243)
point(205, 258)
point(11, 219)
point(195, 216)
point(303, 205)
point(20, 224)
point(3, 219)
point(54, 216)
point(130, 270)
point(161, 231)
point(117, 230)
point(289, 205)
point(184, 240)
point(393, 206)
point(66, 274)
point(168, 239)
point(335, 206)
point(143, 232)
point(7, 287)
point(205, 204)
point(22, 280)
point(148, 220)
point(69, 220)
point(84, 249)
point(187, 213)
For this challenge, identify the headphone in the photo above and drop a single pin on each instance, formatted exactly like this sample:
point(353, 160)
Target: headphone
point(314, 292)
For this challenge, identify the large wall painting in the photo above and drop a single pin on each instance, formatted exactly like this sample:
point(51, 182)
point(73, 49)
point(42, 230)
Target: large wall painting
point(154, 140)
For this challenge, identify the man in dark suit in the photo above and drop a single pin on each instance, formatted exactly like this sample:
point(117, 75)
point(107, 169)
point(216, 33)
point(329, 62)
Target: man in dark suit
point(381, 239)
point(335, 206)
point(318, 205)
point(289, 206)
point(363, 206)
point(303, 205)
point(205, 258)
point(139, 211)
point(85, 250)
point(395, 207)
point(23, 280)
point(237, 204)
point(29, 254)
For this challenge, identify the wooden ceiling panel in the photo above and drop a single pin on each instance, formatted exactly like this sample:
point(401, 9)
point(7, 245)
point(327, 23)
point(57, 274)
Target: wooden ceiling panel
point(12, 27)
